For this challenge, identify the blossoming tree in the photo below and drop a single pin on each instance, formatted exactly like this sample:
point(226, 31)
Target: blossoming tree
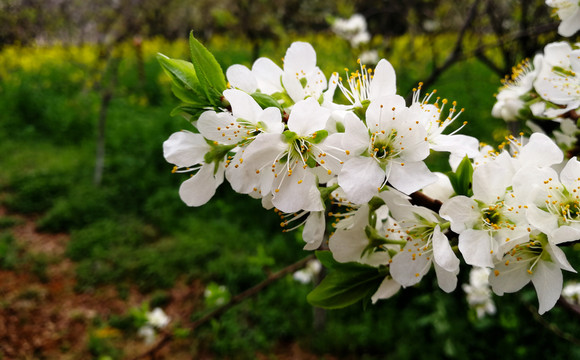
point(354, 173)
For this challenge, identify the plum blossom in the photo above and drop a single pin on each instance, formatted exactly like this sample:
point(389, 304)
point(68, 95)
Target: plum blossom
point(492, 219)
point(479, 295)
point(300, 77)
point(353, 29)
point(156, 320)
point(365, 86)
point(559, 81)
point(509, 98)
point(538, 261)
point(431, 118)
point(389, 148)
point(553, 201)
point(187, 152)
point(569, 12)
point(280, 164)
point(426, 245)
point(571, 292)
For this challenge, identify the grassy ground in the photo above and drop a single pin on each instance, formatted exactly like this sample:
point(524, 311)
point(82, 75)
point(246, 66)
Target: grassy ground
point(101, 251)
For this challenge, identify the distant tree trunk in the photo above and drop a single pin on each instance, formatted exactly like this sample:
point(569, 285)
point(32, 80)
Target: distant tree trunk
point(319, 314)
point(138, 42)
point(111, 71)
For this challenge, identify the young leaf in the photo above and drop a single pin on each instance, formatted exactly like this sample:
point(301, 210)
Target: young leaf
point(462, 178)
point(189, 112)
point(208, 70)
point(189, 97)
point(266, 101)
point(346, 284)
point(182, 73)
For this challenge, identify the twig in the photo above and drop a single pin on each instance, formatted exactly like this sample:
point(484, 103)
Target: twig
point(420, 199)
point(552, 327)
point(575, 309)
point(167, 337)
point(454, 56)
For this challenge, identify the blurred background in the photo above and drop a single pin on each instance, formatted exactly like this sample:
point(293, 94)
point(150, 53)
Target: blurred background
point(93, 235)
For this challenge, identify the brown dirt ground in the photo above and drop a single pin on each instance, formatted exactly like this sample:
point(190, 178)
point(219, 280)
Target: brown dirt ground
point(44, 318)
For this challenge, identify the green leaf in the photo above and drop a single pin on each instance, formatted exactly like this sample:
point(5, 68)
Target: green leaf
point(462, 178)
point(326, 259)
point(191, 113)
point(188, 96)
point(208, 70)
point(346, 284)
point(183, 75)
point(266, 101)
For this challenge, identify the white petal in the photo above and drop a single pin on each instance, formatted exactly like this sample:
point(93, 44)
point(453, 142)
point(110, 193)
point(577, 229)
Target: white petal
point(407, 269)
point(313, 233)
point(185, 148)
point(528, 184)
point(540, 151)
point(388, 288)
point(360, 179)
point(570, 25)
point(447, 280)
point(462, 211)
point(510, 278)
point(564, 234)
point(560, 258)
point(442, 252)
point(542, 220)
point(411, 177)
point(384, 80)
point(460, 145)
point(268, 75)
point(297, 192)
point(307, 117)
point(380, 112)
point(570, 174)
point(293, 87)
point(490, 180)
point(243, 105)
point(476, 246)
point(300, 59)
point(547, 280)
point(441, 189)
point(200, 188)
point(272, 120)
point(241, 77)
point(356, 138)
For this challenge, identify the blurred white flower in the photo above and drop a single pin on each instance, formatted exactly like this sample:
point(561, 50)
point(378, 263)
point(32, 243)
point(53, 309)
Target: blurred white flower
point(309, 272)
point(569, 12)
point(353, 29)
point(478, 292)
point(369, 57)
point(147, 332)
point(156, 320)
point(571, 292)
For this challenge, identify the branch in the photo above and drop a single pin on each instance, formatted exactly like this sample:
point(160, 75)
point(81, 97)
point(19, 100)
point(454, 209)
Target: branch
point(552, 327)
point(457, 54)
point(420, 199)
point(454, 56)
point(167, 337)
point(575, 309)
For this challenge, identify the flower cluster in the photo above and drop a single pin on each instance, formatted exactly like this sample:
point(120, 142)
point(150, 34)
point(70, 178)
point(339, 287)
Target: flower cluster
point(277, 134)
point(544, 90)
